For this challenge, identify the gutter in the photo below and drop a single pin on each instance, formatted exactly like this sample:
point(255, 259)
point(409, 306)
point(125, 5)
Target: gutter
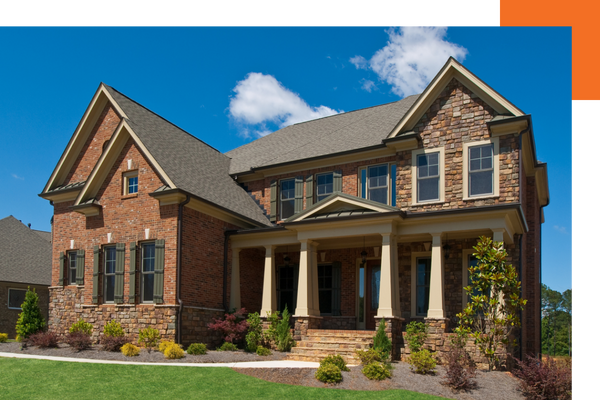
point(179, 234)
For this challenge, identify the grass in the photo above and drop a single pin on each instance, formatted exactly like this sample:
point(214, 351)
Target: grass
point(41, 379)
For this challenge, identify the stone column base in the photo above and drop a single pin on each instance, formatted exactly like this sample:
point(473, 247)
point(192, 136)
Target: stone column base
point(393, 330)
point(303, 323)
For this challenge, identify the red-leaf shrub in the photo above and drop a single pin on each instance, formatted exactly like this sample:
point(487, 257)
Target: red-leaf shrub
point(547, 379)
point(79, 340)
point(233, 328)
point(460, 368)
point(44, 339)
point(113, 343)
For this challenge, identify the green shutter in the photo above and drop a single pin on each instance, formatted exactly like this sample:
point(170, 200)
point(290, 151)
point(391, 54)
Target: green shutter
point(119, 273)
point(80, 271)
point(309, 191)
point(159, 270)
point(274, 201)
point(336, 288)
point(95, 278)
point(61, 268)
point(299, 194)
point(337, 181)
point(132, 260)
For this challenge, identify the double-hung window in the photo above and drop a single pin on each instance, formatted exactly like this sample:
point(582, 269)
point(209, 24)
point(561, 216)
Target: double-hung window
point(72, 267)
point(147, 285)
point(16, 297)
point(110, 262)
point(287, 195)
point(324, 185)
point(130, 182)
point(481, 170)
point(378, 183)
point(428, 177)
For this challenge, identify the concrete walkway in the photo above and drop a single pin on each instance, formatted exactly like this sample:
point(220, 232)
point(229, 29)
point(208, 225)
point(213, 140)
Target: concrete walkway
point(248, 364)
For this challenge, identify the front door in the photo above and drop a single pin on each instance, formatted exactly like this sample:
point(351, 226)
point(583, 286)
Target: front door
point(373, 273)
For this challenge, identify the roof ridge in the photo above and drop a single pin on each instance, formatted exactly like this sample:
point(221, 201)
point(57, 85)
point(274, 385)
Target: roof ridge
point(161, 117)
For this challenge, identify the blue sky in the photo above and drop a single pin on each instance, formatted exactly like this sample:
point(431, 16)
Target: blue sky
point(207, 80)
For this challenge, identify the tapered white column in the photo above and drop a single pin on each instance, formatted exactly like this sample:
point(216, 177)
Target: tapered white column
point(305, 300)
point(269, 299)
point(235, 300)
point(436, 282)
point(387, 302)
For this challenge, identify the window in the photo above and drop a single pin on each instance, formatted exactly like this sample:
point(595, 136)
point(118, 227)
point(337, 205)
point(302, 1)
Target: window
point(469, 260)
point(72, 267)
point(423, 276)
point(16, 297)
point(481, 170)
point(325, 275)
point(287, 196)
point(324, 186)
point(148, 258)
point(428, 177)
point(288, 278)
point(110, 261)
point(130, 182)
point(378, 183)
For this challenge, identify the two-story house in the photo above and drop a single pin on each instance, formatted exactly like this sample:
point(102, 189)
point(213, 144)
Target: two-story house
point(345, 220)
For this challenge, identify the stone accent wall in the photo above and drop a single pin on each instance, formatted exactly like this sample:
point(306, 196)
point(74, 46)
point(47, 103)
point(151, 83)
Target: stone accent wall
point(8, 316)
point(194, 326)
point(338, 323)
point(303, 324)
point(393, 330)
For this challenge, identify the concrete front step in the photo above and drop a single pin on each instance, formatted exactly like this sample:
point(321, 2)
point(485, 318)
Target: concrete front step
point(334, 345)
point(318, 358)
point(320, 343)
point(310, 351)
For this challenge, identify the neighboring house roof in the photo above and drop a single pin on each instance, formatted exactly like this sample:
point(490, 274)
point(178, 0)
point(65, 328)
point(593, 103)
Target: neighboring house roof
point(191, 164)
point(325, 136)
point(44, 235)
point(25, 254)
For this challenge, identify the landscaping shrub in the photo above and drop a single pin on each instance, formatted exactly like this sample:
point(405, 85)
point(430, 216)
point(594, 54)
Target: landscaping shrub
point(81, 326)
point(381, 342)
point(174, 351)
point(460, 368)
point(263, 351)
point(113, 328)
point(416, 334)
point(540, 380)
point(196, 349)
point(3, 337)
point(163, 345)
point(79, 340)
point(376, 371)
point(113, 343)
point(227, 346)
point(285, 340)
point(44, 340)
point(254, 337)
point(270, 335)
point(30, 320)
point(149, 337)
point(329, 373)
point(422, 362)
point(336, 360)
point(130, 350)
point(232, 328)
point(369, 356)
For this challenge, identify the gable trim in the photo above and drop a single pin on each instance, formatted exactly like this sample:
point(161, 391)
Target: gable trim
point(453, 69)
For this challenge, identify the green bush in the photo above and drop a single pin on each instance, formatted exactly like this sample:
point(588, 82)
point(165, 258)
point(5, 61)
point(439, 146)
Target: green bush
point(270, 335)
point(81, 326)
point(164, 344)
point(285, 341)
point(369, 356)
point(174, 351)
point(329, 373)
point(30, 320)
point(381, 342)
point(130, 350)
point(416, 334)
point(422, 362)
point(3, 337)
point(227, 346)
point(149, 337)
point(254, 337)
point(197, 349)
point(113, 328)
point(376, 371)
point(336, 360)
point(263, 351)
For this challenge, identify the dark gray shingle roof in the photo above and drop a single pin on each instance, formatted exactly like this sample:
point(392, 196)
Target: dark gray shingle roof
point(325, 136)
point(191, 164)
point(25, 255)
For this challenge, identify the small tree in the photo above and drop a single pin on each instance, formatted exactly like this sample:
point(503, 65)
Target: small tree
point(285, 341)
point(492, 313)
point(30, 320)
point(381, 342)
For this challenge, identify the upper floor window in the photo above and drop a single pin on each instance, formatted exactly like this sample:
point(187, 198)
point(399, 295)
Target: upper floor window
point(428, 177)
point(72, 267)
point(378, 183)
point(130, 182)
point(287, 197)
point(148, 258)
point(324, 185)
point(481, 170)
point(110, 261)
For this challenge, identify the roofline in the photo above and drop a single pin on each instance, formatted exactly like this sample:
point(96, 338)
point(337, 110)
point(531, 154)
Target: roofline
point(345, 218)
point(257, 230)
point(27, 283)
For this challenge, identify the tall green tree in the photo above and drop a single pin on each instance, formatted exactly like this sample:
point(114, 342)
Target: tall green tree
point(556, 321)
point(30, 320)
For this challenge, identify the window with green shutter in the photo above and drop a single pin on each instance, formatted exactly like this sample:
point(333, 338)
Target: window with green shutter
point(96, 275)
point(119, 273)
point(159, 270)
point(132, 266)
point(79, 267)
point(148, 262)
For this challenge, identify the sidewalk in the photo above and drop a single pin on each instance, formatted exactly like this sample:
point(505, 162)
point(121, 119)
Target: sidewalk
point(249, 364)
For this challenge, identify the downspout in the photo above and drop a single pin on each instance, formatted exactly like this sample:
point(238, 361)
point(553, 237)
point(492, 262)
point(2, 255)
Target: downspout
point(225, 261)
point(521, 311)
point(179, 234)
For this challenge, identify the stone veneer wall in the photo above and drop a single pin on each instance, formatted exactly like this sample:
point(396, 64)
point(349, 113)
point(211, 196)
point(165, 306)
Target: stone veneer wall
point(194, 326)
point(340, 323)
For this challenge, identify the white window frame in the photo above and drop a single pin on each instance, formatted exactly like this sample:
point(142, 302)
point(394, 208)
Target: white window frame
point(279, 199)
point(442, 175)
point(143, 274)
point(8, 299)
point(413, 281)
point(495, 175)
point(316, 183)
point(126, 177)
point(388, 181)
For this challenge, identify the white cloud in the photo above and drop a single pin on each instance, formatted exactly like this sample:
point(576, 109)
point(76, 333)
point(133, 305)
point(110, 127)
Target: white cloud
point(368, 85)
point(412, 57)
point(261, 100)
point(561, 229)
point(360, 62)
point(17, 177)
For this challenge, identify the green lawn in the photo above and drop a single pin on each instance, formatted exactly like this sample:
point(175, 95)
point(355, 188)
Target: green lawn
point(41, 379)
